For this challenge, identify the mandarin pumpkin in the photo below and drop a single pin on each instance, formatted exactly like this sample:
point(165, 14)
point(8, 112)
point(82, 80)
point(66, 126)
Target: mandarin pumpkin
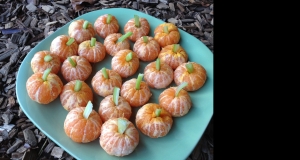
point(64, 46)
point(81, 30)
point(44, 87)
point(176, 100)
point(166, 34)
point(147, 48)
point(125, 62)
point(119, 137)
point(106, 25)
point(74, 94)
point(153, 120)
point(192, 73)
point(138, 26)
point(43, 60)
point(83, 124)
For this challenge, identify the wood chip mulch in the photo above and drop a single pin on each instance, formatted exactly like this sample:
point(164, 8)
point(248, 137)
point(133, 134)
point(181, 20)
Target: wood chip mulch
point(24, 23)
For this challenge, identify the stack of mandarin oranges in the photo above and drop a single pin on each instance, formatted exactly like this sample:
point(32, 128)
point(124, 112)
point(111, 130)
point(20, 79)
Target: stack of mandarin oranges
point(72, 55)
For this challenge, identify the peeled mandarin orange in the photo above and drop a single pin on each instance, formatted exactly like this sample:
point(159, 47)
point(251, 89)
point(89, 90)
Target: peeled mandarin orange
point(166, 34)
point(158, 75)
point(92, 50)
point(112, 45)
point(147, 48)
point(178, 105)
point(192, 73)
point(136, 96)
point(153, 120)
point(116, 140)
point(44, 87)
point(76, 68)
point(64, 46)
point(74, 94)
point(81, 129)
point(108, 109)
point(138, 26)
point(103, 84)
point(125, 62)
point(81, 30)
point(173, 55)
point(106, 25)
point(43, 60)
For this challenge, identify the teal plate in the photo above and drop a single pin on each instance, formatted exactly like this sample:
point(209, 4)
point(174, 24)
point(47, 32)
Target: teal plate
point(185, 132)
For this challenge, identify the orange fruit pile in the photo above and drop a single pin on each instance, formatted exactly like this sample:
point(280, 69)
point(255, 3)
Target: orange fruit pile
point(75, 54)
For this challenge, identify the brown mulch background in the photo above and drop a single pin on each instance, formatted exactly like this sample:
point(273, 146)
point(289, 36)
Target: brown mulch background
point(24, 23)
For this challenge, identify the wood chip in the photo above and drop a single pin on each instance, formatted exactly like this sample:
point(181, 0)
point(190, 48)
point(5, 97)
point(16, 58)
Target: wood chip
point(172, 7)
point(57, 152)
point(30, 137)
point(180, 6)
point(31, 7)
